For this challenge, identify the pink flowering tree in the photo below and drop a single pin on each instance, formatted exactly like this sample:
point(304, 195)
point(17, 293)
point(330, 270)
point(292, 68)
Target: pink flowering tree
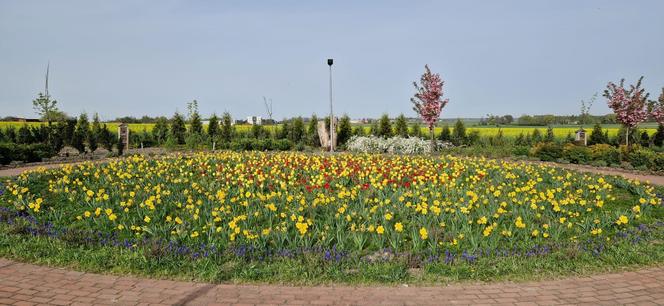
point(629, 105)
point(657, 109)
point(428, 102)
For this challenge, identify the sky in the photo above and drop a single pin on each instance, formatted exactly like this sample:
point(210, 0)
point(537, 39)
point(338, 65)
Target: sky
point(135, 58)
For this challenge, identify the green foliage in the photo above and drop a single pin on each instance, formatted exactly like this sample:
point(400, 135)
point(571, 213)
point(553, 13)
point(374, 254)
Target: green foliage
point(160, 130)
point(297, 132)
point(547, 151)
point(569, 138)
point(69, 131)
point(520, 140)
point(633, 136)
point(373, 129)
point(95, 133)
point(258, 132)
point(521, 150)
point(359, 131)
point(641, 158)
point(536, 136)
point(46, 108)
point(658, 138)
point(10, 134)
point(416, 130)
point(658, 162)
point(401, 126)
point(644, 140)
point(120, 146)
point(473, 137)
point(106, 138)
point(227, 128)
point(384, 127)
point(195, 141)
point(597, 136)
point(268, 144)
point(24, 135)
point(498, 140)
point(195, 124)
point(345, 130)
point(549, 135)
point(81, 133)
point(577, 154)
point(312, 132)
point(445, 133)
point(178, 129)
point(604, 152)
point(213, 126)
point(284, 132)
point(23, 152)
point(459, 136)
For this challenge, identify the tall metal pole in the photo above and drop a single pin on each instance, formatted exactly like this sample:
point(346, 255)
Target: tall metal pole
point(329, 63)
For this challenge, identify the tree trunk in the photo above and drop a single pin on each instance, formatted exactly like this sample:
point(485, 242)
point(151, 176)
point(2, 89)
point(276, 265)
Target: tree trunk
point(433, 141)
point(627, 136)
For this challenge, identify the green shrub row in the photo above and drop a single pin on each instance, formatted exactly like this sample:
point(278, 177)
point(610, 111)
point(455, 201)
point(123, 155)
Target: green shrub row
point(600, 155)
point(253, 144)
point(24, 152)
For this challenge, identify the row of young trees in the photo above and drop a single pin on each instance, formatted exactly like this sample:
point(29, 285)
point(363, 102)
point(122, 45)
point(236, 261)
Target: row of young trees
point(77, 133)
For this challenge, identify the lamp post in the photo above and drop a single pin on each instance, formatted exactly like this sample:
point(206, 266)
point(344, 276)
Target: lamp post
point(329, 63)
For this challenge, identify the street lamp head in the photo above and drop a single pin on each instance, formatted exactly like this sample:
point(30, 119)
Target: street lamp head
point(329, 62)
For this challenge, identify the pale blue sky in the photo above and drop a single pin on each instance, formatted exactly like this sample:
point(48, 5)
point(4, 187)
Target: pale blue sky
point(152, 57)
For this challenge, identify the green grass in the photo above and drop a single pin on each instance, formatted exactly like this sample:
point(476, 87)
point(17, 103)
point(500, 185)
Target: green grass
point(311, 270)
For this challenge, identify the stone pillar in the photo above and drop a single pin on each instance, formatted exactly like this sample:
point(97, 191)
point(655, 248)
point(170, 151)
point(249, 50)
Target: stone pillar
point(123, 135)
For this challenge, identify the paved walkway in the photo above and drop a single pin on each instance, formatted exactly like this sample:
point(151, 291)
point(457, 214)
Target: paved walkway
point(26, 284)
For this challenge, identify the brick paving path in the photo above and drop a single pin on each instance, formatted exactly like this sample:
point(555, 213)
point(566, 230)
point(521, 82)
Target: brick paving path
point(26, 284)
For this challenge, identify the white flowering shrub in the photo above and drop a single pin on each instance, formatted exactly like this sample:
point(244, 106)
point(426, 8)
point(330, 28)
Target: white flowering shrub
point(394, 145)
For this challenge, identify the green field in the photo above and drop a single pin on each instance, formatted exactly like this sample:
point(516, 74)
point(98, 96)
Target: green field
point(510, 131)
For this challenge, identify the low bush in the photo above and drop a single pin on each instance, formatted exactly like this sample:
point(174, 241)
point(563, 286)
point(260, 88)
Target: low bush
point(547, 151)
point(606, 153)
point(577, 154)
point(658, 162)
point(642, 158)
point(521, 150)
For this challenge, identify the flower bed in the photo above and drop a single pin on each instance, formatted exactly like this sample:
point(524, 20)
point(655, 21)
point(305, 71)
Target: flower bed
point(345, 203)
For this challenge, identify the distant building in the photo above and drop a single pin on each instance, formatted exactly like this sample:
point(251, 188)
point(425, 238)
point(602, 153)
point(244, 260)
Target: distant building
point(19, 119)
point(254, 120)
